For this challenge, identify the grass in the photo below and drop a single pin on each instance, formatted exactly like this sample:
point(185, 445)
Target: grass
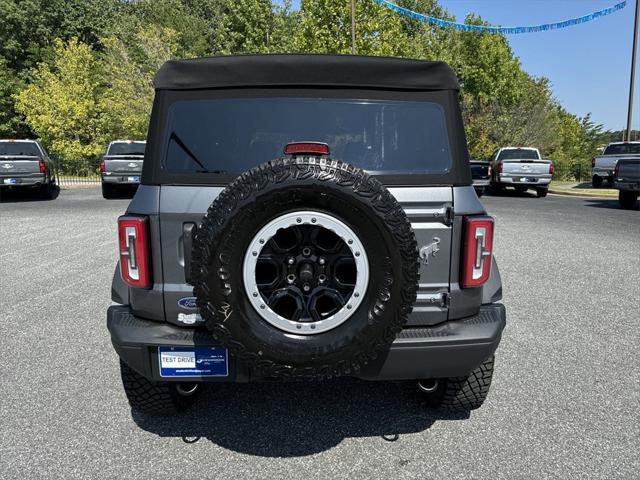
point(581, 189)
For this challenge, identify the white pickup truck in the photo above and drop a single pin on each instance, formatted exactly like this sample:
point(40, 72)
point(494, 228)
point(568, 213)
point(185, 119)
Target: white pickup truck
point(521, 168)
point(603, 165)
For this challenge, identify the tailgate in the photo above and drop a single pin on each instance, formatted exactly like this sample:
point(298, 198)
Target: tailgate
point(526, 167)
point(427, 209)
point(18, 165)
point(123, 164)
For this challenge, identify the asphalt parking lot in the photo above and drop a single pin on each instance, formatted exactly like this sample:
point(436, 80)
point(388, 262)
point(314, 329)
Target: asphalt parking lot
point(565, 401)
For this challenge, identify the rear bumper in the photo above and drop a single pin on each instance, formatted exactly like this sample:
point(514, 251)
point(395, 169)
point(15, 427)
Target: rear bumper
point(122, 178)
point(532, 181)
point(627, 186)
point(602, 172)
point(480, 182)
point(453, 348)
point(22, 179)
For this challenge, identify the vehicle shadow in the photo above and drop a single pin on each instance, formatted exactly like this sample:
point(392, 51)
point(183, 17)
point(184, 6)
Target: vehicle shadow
point(26, 195)
point(298, 419)
point(604, 203)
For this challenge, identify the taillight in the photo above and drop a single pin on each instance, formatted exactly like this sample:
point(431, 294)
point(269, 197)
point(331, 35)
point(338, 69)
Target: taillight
point(489, 170)
point(478, 244)
point(616, 170)
point(43, 166)
point(101, 166)
point(593, 162)
point(499, 168)
point(306, 148)
point(551, 168)
point(133, 240)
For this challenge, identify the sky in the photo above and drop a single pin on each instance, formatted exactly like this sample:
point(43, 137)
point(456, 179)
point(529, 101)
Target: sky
point(588, 64)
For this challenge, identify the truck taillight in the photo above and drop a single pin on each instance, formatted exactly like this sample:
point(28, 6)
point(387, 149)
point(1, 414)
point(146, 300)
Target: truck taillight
point(133, 240)
point(551, 168)
point(101, 166)
point(616, 170)
point(477, 248)
point(593, 162)
point(42, 166)
point(499, 168)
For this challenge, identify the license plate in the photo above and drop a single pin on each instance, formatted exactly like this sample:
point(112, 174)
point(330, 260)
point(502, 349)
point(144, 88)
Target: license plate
point(133, 179)
point(10, 181)
point(524, 179)
point(193, 362)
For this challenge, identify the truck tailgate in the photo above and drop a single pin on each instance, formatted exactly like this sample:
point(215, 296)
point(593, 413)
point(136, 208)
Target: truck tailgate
point(12, 165)
point(526, 167)
point(123, 164)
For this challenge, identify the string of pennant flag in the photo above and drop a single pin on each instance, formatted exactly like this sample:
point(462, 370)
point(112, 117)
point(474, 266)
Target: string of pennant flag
point(497, 29)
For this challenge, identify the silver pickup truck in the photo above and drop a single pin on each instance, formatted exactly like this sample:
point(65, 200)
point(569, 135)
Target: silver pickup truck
point(121, 165)
point(25, 164)
point(521, 168)
point(603, 165)
point(626, 178)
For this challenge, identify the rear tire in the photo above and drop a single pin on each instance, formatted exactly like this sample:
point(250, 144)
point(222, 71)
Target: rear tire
point(47, 190)
point(107, 191)
point(627, 199)
point(157, 398)
point(463, 393)
point(596, 181)
point(541, 192)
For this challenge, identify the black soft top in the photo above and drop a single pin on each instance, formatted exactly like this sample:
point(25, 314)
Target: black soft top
point(305, 70)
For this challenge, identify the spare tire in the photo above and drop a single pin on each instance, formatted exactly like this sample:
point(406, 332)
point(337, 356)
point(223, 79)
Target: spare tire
point(305, 267)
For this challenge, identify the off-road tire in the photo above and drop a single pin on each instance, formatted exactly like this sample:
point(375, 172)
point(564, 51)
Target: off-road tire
point(156, 398)
point(463, 393)
point(627, 199)
point(541, 192)
point(294, 184)
point(596, 181)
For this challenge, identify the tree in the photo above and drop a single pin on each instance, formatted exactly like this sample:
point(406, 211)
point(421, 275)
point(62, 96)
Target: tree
point(61, 104)
point(324, 26)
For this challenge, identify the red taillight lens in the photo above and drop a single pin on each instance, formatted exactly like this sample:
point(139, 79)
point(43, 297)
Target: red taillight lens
point(477, 248)
point(43, 166)
point(101, 166)
point(593, 162)
point(616, 170)
point(499, 168)
point(306, 148)
point(551, 169)
point(133, 240)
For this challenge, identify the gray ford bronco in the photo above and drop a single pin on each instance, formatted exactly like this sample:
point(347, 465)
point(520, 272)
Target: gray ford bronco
point(305, 216)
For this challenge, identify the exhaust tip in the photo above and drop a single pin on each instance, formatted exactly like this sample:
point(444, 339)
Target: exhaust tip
point(187, 389)
point(428, 386)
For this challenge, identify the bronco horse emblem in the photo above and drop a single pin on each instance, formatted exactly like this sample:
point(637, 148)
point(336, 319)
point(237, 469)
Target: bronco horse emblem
point(429, 250)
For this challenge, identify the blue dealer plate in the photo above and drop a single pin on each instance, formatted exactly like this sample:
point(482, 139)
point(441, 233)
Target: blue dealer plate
point(193, 362)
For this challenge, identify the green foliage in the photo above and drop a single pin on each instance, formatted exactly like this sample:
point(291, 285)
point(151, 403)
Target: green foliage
point(78, 73)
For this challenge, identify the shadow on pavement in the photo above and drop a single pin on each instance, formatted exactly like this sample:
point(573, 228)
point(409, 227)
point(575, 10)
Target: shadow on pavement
point(298, 419)
point(509, 192)
point(602, 203)
point(15, 195)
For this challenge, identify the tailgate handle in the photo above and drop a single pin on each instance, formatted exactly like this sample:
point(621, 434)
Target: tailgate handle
point(188, 233)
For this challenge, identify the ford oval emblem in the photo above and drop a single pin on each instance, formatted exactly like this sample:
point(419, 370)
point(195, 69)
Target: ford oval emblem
point(188, 302)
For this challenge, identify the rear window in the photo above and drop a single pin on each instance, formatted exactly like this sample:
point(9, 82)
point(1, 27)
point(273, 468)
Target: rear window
point(126, 148)
point(518, 154)
point(623, 149)
point(234, 135)
point(20, 148)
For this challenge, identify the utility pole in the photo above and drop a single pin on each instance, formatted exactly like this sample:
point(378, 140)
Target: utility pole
point(353, 27)
point(633, 69)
